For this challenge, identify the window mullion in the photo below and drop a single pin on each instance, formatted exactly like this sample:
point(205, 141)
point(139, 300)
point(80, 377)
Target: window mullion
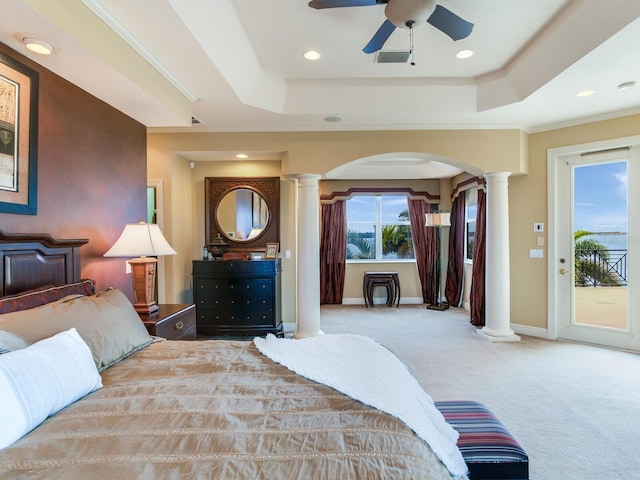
point(378, 227)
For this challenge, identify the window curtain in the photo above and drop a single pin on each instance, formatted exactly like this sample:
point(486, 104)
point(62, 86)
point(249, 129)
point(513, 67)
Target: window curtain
point(477, 296)
point(333, 252)
point(426, 245)
point(455, 269)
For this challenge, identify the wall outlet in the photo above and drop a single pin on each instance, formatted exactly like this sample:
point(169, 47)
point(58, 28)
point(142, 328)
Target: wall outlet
point(287, 254)
point(540, 241)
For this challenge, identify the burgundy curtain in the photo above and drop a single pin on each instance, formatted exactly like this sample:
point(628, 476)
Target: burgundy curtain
point(333, 252)
point(426, 245)
point(455, 270)
point(477, 297)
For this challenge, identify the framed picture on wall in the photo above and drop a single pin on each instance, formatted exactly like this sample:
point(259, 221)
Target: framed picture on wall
point(271, 251)
point(18, 137)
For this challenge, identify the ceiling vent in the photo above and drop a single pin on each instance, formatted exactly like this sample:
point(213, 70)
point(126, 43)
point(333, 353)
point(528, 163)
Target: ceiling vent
point(393, 56)
point(195, 120)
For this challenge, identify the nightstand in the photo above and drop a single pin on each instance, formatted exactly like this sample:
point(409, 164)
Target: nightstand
point(172, 321)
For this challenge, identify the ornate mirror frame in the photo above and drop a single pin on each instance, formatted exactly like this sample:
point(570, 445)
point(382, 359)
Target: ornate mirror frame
point(267, 187)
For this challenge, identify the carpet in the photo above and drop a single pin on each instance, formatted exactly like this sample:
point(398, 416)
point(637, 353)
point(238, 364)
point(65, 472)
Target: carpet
point(574, 408)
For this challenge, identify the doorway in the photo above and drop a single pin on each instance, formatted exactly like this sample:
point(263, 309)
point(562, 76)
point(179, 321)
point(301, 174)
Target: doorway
point(155, 214)
point(593, 236)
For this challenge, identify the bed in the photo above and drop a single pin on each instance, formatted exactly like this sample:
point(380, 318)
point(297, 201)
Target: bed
point(172, 409)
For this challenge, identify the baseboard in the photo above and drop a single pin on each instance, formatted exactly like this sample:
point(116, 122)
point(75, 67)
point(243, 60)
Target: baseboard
point(530, 331)
point(382, 301)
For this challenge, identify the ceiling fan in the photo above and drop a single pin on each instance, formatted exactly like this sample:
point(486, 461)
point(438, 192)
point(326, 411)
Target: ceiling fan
point(405, 14)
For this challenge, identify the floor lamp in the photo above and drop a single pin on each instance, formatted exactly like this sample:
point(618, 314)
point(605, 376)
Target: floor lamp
point(437, 220)
point(145, 241)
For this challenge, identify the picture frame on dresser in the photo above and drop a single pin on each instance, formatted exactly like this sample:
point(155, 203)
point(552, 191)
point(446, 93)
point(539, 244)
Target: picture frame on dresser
point(18, 137)
point(271, 251)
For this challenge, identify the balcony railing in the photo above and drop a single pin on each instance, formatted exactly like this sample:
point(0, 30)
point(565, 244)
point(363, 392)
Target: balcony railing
point(600, 268)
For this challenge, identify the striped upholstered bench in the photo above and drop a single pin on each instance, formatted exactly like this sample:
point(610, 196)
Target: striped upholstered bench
point(489, 449)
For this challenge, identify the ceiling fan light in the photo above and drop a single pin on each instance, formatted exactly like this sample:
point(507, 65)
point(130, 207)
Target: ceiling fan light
point(400, 12)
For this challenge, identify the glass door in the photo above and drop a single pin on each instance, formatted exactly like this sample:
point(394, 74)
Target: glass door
point(594, 274)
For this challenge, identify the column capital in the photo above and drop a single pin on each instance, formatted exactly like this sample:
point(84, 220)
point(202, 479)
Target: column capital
point(308, 179)
point(497, 176)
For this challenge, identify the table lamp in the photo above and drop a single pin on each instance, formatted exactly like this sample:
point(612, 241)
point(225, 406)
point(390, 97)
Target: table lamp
point(145, 241)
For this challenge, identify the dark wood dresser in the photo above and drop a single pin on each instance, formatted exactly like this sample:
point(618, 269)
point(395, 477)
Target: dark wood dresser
point(173, 322)
point(237, 298)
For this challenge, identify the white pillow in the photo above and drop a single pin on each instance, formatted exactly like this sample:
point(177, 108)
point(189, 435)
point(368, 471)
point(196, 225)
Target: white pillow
point(38, 381)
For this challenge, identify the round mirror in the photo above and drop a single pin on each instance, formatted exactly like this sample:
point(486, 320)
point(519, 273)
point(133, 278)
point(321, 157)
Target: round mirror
point(242, 215)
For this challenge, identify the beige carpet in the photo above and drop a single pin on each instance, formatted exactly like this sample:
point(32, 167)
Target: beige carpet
point(574, 408)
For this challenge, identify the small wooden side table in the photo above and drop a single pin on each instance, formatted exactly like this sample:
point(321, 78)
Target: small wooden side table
point(172, 321)
point(389, 280)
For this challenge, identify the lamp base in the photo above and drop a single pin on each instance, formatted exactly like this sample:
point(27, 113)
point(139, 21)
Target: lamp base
point(438, 306)
point(143, 275)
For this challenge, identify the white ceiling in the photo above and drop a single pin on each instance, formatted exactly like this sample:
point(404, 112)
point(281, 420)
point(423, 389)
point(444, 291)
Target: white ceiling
point(237, 65)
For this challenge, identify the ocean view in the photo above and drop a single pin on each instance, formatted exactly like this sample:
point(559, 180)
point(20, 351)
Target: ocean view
point(611, 240)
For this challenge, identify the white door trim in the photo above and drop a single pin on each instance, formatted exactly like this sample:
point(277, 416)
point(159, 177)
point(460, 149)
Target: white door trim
point(554, 157)
point(159, 186)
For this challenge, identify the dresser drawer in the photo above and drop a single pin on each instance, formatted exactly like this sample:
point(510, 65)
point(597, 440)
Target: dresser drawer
point(233, 286)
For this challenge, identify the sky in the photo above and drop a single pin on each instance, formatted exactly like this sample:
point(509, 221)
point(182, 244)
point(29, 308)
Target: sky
point(600, 197)
point(363, 208)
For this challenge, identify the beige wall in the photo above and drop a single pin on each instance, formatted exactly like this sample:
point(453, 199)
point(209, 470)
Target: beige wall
point(476, 151)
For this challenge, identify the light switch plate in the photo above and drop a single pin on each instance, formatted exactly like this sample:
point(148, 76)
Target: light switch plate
point(538, 227)
point(536, 253)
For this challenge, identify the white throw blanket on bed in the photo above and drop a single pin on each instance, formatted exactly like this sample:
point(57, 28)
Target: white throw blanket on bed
point(366, 371)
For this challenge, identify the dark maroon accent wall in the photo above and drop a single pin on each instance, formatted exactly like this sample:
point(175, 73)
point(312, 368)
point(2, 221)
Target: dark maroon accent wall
point(92, 174)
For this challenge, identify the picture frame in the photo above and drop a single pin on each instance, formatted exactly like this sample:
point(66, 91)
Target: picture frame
point(271, 251)
point(18, 137)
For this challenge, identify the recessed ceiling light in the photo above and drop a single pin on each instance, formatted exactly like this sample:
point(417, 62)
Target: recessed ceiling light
point(38, 46)
point(585, 93)
point(311, 55)
point(242, 156)
point(625, 85)
point(465, 54)
point(333, 119)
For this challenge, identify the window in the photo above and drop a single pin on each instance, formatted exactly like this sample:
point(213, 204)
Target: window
point(470, 213)
point(378, 228)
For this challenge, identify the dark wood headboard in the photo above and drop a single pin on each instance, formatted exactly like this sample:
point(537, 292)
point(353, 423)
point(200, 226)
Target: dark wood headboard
point(32, 260)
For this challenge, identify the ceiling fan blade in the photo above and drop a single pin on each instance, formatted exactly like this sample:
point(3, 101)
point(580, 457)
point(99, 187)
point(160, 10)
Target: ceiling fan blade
point(344, 3)
point(381, 36)
point(448, 22)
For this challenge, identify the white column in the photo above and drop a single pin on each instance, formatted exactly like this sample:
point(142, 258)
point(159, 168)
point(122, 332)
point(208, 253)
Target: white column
point(497, 278)
point(308, 321)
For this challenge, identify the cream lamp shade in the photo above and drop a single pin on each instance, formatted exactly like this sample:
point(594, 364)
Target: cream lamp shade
point(437, 219)
point(142, 240)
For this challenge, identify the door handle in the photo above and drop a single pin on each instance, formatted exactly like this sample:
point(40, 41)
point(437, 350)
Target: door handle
point(564, 272)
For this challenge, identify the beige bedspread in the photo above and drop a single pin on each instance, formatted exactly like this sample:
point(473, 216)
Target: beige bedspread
point(217, 409)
